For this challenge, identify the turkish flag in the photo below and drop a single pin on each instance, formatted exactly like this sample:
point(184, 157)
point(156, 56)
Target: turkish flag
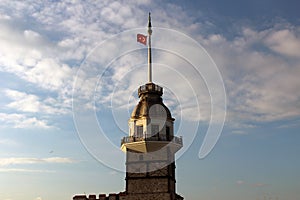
point(142, 39)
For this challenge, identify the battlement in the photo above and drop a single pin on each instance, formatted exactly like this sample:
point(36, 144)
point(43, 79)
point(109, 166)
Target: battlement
point(112, 196)
point(124, 196)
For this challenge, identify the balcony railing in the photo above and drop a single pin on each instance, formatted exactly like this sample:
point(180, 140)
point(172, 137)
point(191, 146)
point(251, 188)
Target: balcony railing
point(150, 87)
point(174, 139)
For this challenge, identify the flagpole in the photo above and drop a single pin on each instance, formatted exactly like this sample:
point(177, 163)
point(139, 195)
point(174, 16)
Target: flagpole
point(149, 50)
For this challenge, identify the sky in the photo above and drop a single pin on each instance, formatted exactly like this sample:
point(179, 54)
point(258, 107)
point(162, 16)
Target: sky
point(69, 77)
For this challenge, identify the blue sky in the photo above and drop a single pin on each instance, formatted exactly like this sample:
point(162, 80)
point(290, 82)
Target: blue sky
point(51, 50)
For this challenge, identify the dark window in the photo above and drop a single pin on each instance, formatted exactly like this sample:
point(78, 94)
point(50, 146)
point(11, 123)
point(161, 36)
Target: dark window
point(168, 132)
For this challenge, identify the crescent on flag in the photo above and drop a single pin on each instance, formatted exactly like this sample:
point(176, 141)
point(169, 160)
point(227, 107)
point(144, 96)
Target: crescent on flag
point(142, 39)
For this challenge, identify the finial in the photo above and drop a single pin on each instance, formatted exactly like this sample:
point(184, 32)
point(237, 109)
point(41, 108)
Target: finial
point(149, 24)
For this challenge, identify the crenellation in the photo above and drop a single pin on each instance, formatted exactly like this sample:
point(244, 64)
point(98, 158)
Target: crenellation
point(92, 197)
point(113, 196)
point(102, 196)
point(80, 197)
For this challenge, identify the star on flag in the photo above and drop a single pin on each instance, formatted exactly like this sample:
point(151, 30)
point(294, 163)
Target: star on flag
point(142, 39)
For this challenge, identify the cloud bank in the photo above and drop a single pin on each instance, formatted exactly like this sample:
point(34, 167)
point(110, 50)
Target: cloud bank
point(260, 68)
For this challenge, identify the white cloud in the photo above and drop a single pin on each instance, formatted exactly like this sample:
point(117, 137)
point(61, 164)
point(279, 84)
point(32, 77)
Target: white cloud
point(15, 170)
point(240, 182)
point(239, 132)
point(4, 17)
point(23, 101)
point(260, 86)
point(244, 183)
point(113, 173)
point(32, 36)
point(49, 74)
point(31, 103)
point(32, 58)
point(22, 161)
point(260, 185)
point(285, 42)
point(28, 105)
point(22, 121)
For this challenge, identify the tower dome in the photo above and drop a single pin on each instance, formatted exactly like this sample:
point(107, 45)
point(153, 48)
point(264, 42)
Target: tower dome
point(151, 125)
point(151, 103)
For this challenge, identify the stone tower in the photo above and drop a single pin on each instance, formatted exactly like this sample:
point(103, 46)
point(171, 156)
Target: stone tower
point(150, 147)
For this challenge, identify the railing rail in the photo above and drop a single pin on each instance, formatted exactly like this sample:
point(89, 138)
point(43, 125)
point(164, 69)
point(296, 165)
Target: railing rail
point(174, 139)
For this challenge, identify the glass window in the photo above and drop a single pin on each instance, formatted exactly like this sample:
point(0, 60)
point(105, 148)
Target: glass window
point(139, 131)
point(154, 129)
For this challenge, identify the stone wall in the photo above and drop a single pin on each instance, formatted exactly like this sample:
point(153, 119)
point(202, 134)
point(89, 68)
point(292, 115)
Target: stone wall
point(147, 185)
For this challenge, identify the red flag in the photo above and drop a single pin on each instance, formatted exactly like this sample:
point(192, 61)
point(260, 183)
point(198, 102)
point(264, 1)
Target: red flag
point(142, 39)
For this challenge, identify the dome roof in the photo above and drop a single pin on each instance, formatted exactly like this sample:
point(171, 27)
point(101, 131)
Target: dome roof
point(151, 104)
